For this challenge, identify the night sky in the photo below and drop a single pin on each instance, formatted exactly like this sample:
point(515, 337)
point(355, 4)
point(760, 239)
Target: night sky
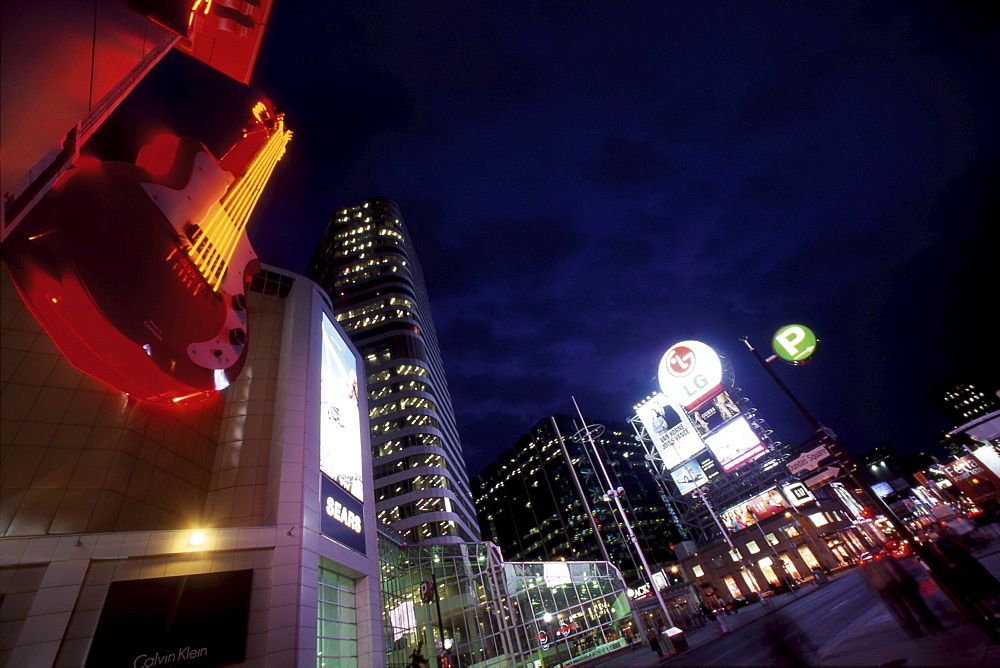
point(589, 183)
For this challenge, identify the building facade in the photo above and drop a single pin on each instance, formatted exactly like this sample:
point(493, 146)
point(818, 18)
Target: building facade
point(223, 510)
point(464, 602)
point(367, 264)
point(536, 501)
point(757, 513)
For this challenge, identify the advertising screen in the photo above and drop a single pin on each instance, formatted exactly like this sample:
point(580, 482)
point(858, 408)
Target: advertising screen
point(712, 414)
point(403, 619)
point(750, 512)
point(671, 431)
point(689, 477)
point(735, 444)
point(340, 439)
point(556, 573)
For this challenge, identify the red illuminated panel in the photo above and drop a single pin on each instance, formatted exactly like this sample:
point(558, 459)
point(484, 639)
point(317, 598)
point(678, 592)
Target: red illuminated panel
point(226, 34)
point(138, 271)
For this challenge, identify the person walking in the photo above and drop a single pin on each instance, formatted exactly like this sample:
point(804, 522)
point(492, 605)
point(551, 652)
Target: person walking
point(654, 641)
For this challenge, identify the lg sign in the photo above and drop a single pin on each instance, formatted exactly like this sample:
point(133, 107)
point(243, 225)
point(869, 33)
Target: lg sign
point(680, 361)
point(690, 372)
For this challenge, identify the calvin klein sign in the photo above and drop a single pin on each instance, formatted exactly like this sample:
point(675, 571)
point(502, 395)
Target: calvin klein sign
point(187, 620)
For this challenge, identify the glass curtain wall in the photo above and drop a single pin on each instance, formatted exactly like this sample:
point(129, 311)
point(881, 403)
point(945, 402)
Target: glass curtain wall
point(462, 599)
point(337, 627)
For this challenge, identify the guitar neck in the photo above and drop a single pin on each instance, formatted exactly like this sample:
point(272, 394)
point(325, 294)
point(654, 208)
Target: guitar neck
point(223, 226)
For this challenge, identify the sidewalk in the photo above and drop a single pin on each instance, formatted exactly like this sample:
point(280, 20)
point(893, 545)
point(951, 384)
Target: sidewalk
point(874, 639)
point(643, 656)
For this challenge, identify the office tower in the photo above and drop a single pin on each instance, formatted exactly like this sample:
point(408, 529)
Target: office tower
point(966, 396)
point(367, 264)
point(529, 502)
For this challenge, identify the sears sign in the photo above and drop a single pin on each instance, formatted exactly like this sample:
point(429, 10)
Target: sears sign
point(690, 373)
point(341, 519)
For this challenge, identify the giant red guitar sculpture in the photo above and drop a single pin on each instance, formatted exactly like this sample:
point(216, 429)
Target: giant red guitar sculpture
point(138, 271)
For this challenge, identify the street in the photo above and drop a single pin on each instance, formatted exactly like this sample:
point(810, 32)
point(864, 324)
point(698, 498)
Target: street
point(840, 623)
point(808, 623)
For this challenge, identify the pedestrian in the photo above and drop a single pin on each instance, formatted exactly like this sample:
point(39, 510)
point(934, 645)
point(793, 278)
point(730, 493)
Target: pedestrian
point(654, 641)
point(789, 645)
point(976, 588)
point(900, 594)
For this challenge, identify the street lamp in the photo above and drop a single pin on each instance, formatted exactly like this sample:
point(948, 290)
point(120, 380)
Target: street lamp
point(587, 432)
point(898, 524)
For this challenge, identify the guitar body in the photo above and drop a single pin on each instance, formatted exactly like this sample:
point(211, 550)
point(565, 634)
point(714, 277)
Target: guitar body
point(103, 270)
point(138, 271)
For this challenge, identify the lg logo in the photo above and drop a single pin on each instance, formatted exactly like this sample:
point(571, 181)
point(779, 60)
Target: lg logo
point(681, 361)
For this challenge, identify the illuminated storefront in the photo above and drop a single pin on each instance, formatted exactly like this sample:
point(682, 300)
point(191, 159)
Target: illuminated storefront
point(464, 600)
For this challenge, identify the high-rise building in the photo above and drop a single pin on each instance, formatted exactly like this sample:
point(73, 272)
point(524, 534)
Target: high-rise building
point(965, 396)
point(367, 264)
point(536, 500)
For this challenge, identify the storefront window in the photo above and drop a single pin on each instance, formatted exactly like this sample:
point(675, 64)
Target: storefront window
point(789, 566)
point(808, 557)
point(337, 628)
point(734, 591)
point(767, 569)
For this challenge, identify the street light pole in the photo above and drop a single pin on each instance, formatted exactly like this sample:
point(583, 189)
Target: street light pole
point(897, 523)
point(616, 493)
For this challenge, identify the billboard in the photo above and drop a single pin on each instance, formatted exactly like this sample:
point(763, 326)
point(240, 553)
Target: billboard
point(753, 510)
point(689, 477)
point(735, 444)
point(690, 372)
point(190, 620)
point(973, 478)
point(342, 519)
point(713, 414)
point(340, 442)
point(670, 429)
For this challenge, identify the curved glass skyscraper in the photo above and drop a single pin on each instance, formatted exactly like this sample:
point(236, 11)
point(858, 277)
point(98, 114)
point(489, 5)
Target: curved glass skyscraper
point(366, 263)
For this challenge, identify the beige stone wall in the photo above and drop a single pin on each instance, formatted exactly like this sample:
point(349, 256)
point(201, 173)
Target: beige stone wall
point(78, 456)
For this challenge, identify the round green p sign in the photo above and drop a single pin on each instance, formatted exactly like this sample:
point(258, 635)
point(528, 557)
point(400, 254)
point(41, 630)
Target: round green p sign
point(794, 343)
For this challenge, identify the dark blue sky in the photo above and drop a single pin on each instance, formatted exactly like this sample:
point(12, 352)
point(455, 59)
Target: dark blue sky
point(589, 183)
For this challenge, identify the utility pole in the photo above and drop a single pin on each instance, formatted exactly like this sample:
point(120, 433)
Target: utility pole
point(615, 493)
point(836, 451)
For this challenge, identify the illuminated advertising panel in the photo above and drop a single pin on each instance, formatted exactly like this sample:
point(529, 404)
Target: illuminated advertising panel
point(689, 477)
point(671, 431)
point(797, 494)
point(403, 619)
point(690, 373)
point(340, 422)
point(556, 574)
point(754, 510)
point(342, 517)
point(972, 477)
point(735, 444)
point(713, 414)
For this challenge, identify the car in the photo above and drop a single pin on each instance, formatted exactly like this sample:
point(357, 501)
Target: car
point(898, 548)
